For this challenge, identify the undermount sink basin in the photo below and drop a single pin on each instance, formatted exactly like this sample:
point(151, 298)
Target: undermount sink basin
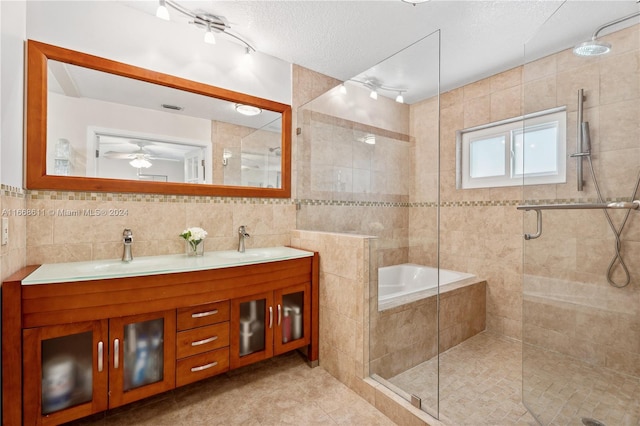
point(262, 253)
point(100, 266)
point(153, 265)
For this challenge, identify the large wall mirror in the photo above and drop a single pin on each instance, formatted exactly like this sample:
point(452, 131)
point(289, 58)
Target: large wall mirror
point(98, 125)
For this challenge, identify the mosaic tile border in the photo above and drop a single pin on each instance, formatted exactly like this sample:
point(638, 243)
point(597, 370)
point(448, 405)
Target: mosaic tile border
point(346, 203)
point(16, 192)
point(150, 198)
point(12, 191)
point(492, 203)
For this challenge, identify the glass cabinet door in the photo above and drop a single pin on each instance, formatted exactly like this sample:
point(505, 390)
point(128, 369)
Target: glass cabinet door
point(252, 322)
point(66, 366)
point(66, 371)
point(143, 356)
point(293, 321)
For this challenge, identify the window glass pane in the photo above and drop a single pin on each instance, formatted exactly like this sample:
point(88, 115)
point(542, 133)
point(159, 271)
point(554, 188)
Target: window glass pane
point(535, 151)
point(486, 157)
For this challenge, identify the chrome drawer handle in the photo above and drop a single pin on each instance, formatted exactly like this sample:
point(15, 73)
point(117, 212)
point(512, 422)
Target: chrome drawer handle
point(204, 367)
point(204, 314)
point(100, 357)
point(204, 341)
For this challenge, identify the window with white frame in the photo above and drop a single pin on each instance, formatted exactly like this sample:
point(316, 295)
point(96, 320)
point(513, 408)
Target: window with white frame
point(528, 150)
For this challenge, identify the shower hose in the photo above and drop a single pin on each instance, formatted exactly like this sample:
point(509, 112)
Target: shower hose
point(617, 258)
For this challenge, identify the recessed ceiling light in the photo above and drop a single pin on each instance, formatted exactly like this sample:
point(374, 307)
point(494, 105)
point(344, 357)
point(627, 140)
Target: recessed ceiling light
point(248, 109)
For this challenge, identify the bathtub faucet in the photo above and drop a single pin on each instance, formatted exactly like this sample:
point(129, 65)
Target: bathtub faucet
point(242, 234)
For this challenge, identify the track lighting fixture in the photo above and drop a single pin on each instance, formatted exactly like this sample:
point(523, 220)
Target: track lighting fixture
point(208, 36)
point(162, 12)
point(207, 21)
point(375, 86)
point(369, 139)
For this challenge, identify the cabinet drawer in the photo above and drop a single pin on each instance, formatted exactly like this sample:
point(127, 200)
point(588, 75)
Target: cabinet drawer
point(201, 366)
point(197, 316)
point(202, 339)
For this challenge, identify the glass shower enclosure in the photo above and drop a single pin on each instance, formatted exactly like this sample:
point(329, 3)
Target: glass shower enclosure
point(370, 167)
point(581, 263)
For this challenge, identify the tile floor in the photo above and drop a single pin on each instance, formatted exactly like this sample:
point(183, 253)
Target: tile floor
point(480, 383)
point(282, 390)
point(561, 391)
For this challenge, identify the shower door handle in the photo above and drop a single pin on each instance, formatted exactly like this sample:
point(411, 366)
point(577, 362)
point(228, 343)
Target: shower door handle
point(539, 230)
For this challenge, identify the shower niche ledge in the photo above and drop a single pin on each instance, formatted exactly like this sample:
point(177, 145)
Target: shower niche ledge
point(75, 347)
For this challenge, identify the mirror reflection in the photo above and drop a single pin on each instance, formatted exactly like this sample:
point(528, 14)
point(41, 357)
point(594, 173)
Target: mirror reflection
point(108, 126)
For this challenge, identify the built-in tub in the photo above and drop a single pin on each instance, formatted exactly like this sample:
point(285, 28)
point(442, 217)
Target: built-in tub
point(408, 282)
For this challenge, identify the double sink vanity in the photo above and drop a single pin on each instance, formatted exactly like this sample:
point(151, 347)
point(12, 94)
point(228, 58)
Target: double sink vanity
point(84, 337)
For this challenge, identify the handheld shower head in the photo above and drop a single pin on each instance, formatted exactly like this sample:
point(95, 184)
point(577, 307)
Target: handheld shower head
point(586, 137)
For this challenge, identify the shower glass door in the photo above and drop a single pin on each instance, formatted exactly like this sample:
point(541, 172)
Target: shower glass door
point(581, 275)
point(371, 167)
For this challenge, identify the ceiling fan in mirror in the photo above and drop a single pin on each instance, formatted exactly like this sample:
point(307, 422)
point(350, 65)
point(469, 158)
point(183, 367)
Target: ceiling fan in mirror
point(140, 153)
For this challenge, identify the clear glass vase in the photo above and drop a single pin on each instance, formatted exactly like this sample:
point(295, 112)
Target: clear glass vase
point(194, 248)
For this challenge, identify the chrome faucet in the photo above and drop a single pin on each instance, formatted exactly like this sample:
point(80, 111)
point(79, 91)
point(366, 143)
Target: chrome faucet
point(242, 234)
point(127, 239)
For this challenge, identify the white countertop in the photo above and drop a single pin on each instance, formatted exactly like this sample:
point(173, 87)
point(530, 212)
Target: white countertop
point(154, 265)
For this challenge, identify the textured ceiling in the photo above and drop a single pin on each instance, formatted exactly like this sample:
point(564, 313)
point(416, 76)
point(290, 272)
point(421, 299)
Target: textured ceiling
point(344, 39)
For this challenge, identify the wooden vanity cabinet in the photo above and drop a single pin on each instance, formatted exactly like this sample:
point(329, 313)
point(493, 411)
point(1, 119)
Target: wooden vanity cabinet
point(112, 330)
point(74, 370)
point(202, 342)
point(91, 394)
point(259, 329)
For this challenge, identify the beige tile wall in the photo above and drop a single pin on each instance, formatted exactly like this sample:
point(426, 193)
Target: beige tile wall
point(480, 229)
point(13, 205)
point(344, 319)
point(156, 222)
point(406, 336)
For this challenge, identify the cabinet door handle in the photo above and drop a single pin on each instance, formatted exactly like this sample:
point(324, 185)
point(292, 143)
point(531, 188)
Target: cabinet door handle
point(116, 353)
point(100, 356)
point(279, 314)
point(270, 316)
point(204, 367)
point(204, 314)
point(204, 341)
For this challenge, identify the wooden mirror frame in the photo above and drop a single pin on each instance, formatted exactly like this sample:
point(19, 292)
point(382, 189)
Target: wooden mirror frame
point(36, 144)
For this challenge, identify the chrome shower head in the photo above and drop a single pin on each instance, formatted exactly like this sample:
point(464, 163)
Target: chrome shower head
point(592, 48)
